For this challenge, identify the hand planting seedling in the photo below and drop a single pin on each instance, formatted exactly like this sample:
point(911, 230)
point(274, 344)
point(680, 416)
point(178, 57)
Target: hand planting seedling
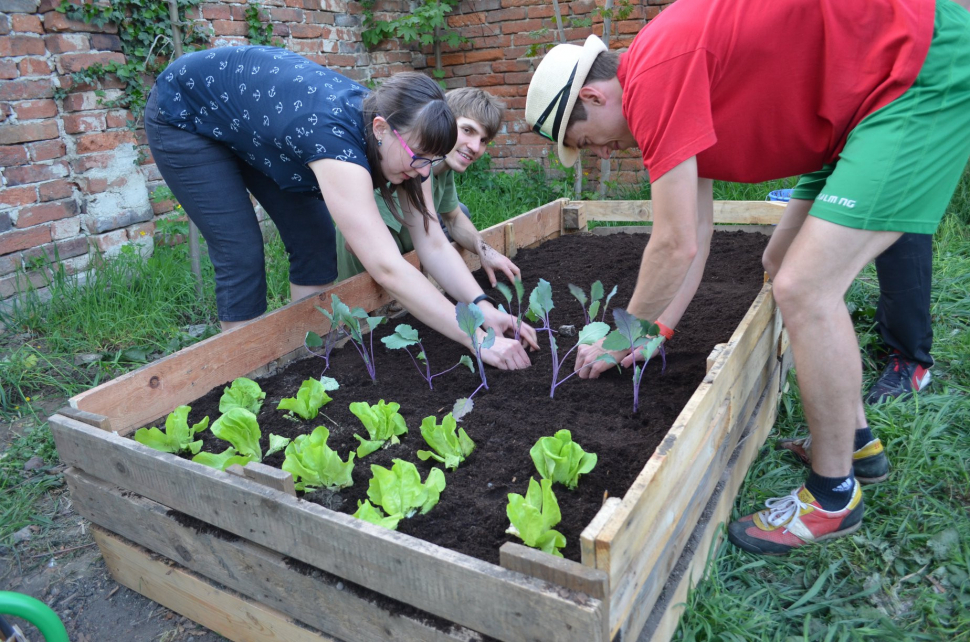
point(240, 428)
point(533, 516)
point(309, 399)
point(470, 319)
point(383, 423)
point(243, 393)
point(349, 320)
point(399, 491)
point(595, 296)
point(405, 336)
point(540, 305)
point(507, 293)
point(641, 338)
point(561, 459)
point(451, 448)
point(177, 436)
point(314, 464)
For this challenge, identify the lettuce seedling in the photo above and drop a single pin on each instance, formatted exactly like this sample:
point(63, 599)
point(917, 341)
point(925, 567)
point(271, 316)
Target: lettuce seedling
point(451, 448)
point(561, 459)
point(399, 491)
point(638, 336)
point(369, 513)
point(314, 464)
point(533, 516)
point(595, 297)
point(240, 428)
point(383, 423)
point(243, 393)
point(309, 399)
point(177, 436)
point(540, 306)
point(507, 293)
point(350, 321)
point(405, 336)
point(470, 319)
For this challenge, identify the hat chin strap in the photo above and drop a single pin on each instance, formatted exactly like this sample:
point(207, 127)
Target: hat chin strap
point(559, 101)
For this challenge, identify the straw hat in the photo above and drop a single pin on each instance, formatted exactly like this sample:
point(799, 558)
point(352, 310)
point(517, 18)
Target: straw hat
point(554, 88)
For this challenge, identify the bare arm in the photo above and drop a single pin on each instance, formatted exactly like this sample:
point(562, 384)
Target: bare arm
point(465, 234)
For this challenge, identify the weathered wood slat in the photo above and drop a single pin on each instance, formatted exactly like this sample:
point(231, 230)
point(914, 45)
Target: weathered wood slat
point(89, 418)
point(460, 588)
point(646, 229)
point(620, 546)
point(265, 475)
point(225, 613)
point(745, 212)
point(253, 570)
point(557, 570)
point(587, 539)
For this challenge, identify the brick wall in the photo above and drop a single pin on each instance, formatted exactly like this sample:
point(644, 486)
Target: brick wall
point(74, 179)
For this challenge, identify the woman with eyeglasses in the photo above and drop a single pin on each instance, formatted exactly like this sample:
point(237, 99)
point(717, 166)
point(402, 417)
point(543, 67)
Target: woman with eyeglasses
point(311, 146)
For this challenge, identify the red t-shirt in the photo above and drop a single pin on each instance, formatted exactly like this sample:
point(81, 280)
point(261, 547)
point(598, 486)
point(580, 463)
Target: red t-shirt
point(763, 89)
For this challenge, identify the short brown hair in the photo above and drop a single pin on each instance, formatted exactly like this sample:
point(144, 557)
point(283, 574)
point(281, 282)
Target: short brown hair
point(604, 68)
point(478, 105)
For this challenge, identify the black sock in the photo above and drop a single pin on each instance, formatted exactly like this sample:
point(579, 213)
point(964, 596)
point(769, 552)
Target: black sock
point(862, 437)
point(833, 493)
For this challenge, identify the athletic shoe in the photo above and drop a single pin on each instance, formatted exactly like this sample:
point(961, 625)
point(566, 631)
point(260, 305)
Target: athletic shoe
point(869, 464)
point(794, 521)
point(901, 378)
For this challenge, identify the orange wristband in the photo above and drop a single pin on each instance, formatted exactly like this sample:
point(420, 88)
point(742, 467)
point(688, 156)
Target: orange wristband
point(667, 333)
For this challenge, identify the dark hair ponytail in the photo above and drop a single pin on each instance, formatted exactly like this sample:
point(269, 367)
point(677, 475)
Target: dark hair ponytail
point(412, 102)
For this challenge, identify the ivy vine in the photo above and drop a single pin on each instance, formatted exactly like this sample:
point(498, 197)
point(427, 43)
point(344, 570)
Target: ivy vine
point(260, 33)
point(419, 25)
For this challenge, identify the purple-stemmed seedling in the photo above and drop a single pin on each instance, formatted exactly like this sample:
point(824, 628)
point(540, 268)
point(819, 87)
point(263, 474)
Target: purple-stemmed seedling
point(595, 297)
point(405, 336)
point(638, 336)
point(470, 319)
point(349, 319)
point(314, 341)
point(507, 293)
point(540, 306)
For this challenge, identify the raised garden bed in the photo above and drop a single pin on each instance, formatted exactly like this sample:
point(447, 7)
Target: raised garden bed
point(632, 557)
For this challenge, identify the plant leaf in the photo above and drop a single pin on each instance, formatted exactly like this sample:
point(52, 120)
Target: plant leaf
point(462, 407)
point(578, 293)
point(593, 332)
point(404, 336)
point(369, 513)
point(329, 384)
point(533, 516)
point(383, 423)
point(223, 460)
point(562, 460)
point(465, 359)
point(240, 428)
point(243, 393)
point(313, 463)
point(505, 290)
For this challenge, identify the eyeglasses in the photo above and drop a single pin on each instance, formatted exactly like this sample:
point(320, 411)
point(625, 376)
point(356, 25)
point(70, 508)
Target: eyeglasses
point(417, 162)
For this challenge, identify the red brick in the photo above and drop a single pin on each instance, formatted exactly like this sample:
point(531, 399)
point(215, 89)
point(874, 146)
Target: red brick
point(506, 15)
point(26, 174)
point(117, 118)
point(25, 22)
point(33, 109)
point(45, 213)
point(27, 132)
point(111, 240)
point(48, 5)
point(457, 21)
point(58, 250)
point(229, 28)
point(13, 155)
point(55, 190)
point(8, 70)
point(105, 42)
point(542, 11)
point(483, 55)
point(83, 122)
point(306, 31)
point(500, 66)
point(26, 89)
point(21, 46)
point(55, 21)
point(47, 150)
point(4, 24)
point(33, 67)
point(521, 78)
point(104, 141)
point(239, 12)
point(468, 70)
point(17, 240)
point(216, 12)
point(488, 80)
point(69, 63)
point(522, 26)
point(16, 196)
point(66, 43)
point(286, 15)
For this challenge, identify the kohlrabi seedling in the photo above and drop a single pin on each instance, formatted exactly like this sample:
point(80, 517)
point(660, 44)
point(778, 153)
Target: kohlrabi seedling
point(519, 293)
point(405, 336)
point(540, 306)
point(178, 435)
point(470, 319)
point(350, 321)
point(640, 337)
point(595, 297)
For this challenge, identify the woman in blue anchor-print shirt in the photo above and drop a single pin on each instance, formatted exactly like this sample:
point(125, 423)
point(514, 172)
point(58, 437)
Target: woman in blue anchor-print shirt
point(312, 146)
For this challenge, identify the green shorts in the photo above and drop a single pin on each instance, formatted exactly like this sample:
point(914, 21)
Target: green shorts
point(902, 162)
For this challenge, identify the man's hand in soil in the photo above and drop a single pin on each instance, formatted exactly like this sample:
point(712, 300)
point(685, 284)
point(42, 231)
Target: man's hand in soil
point(493, 260)
point(590, 368)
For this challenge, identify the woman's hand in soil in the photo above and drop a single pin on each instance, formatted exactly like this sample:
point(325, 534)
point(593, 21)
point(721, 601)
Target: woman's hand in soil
point(589, 367)
point(506, 354)
point(494, 261)
point(504, 326)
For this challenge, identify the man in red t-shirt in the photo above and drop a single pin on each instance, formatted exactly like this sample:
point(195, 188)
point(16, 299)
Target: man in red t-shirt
point(868, 100)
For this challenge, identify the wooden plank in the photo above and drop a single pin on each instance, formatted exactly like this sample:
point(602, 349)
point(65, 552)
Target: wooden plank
point(317, 599)
point(663, 622)
point(511, 248)
point(587, 539)
point(265, 475)
point(621, 543)
point(715, 353)
point(646, 229)
point(481, 596)
point(557, 570)
point(747, 212)
point(227, 614)
point(574, 217)
point(89, 418)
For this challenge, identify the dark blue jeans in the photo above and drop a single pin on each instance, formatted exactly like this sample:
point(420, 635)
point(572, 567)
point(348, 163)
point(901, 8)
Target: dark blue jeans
point(905, 273)
point(213, 186)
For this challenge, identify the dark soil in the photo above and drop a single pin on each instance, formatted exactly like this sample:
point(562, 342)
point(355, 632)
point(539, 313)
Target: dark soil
point(516, 410)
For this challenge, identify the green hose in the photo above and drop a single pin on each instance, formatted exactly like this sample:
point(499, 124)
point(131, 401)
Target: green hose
point(35, 612)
